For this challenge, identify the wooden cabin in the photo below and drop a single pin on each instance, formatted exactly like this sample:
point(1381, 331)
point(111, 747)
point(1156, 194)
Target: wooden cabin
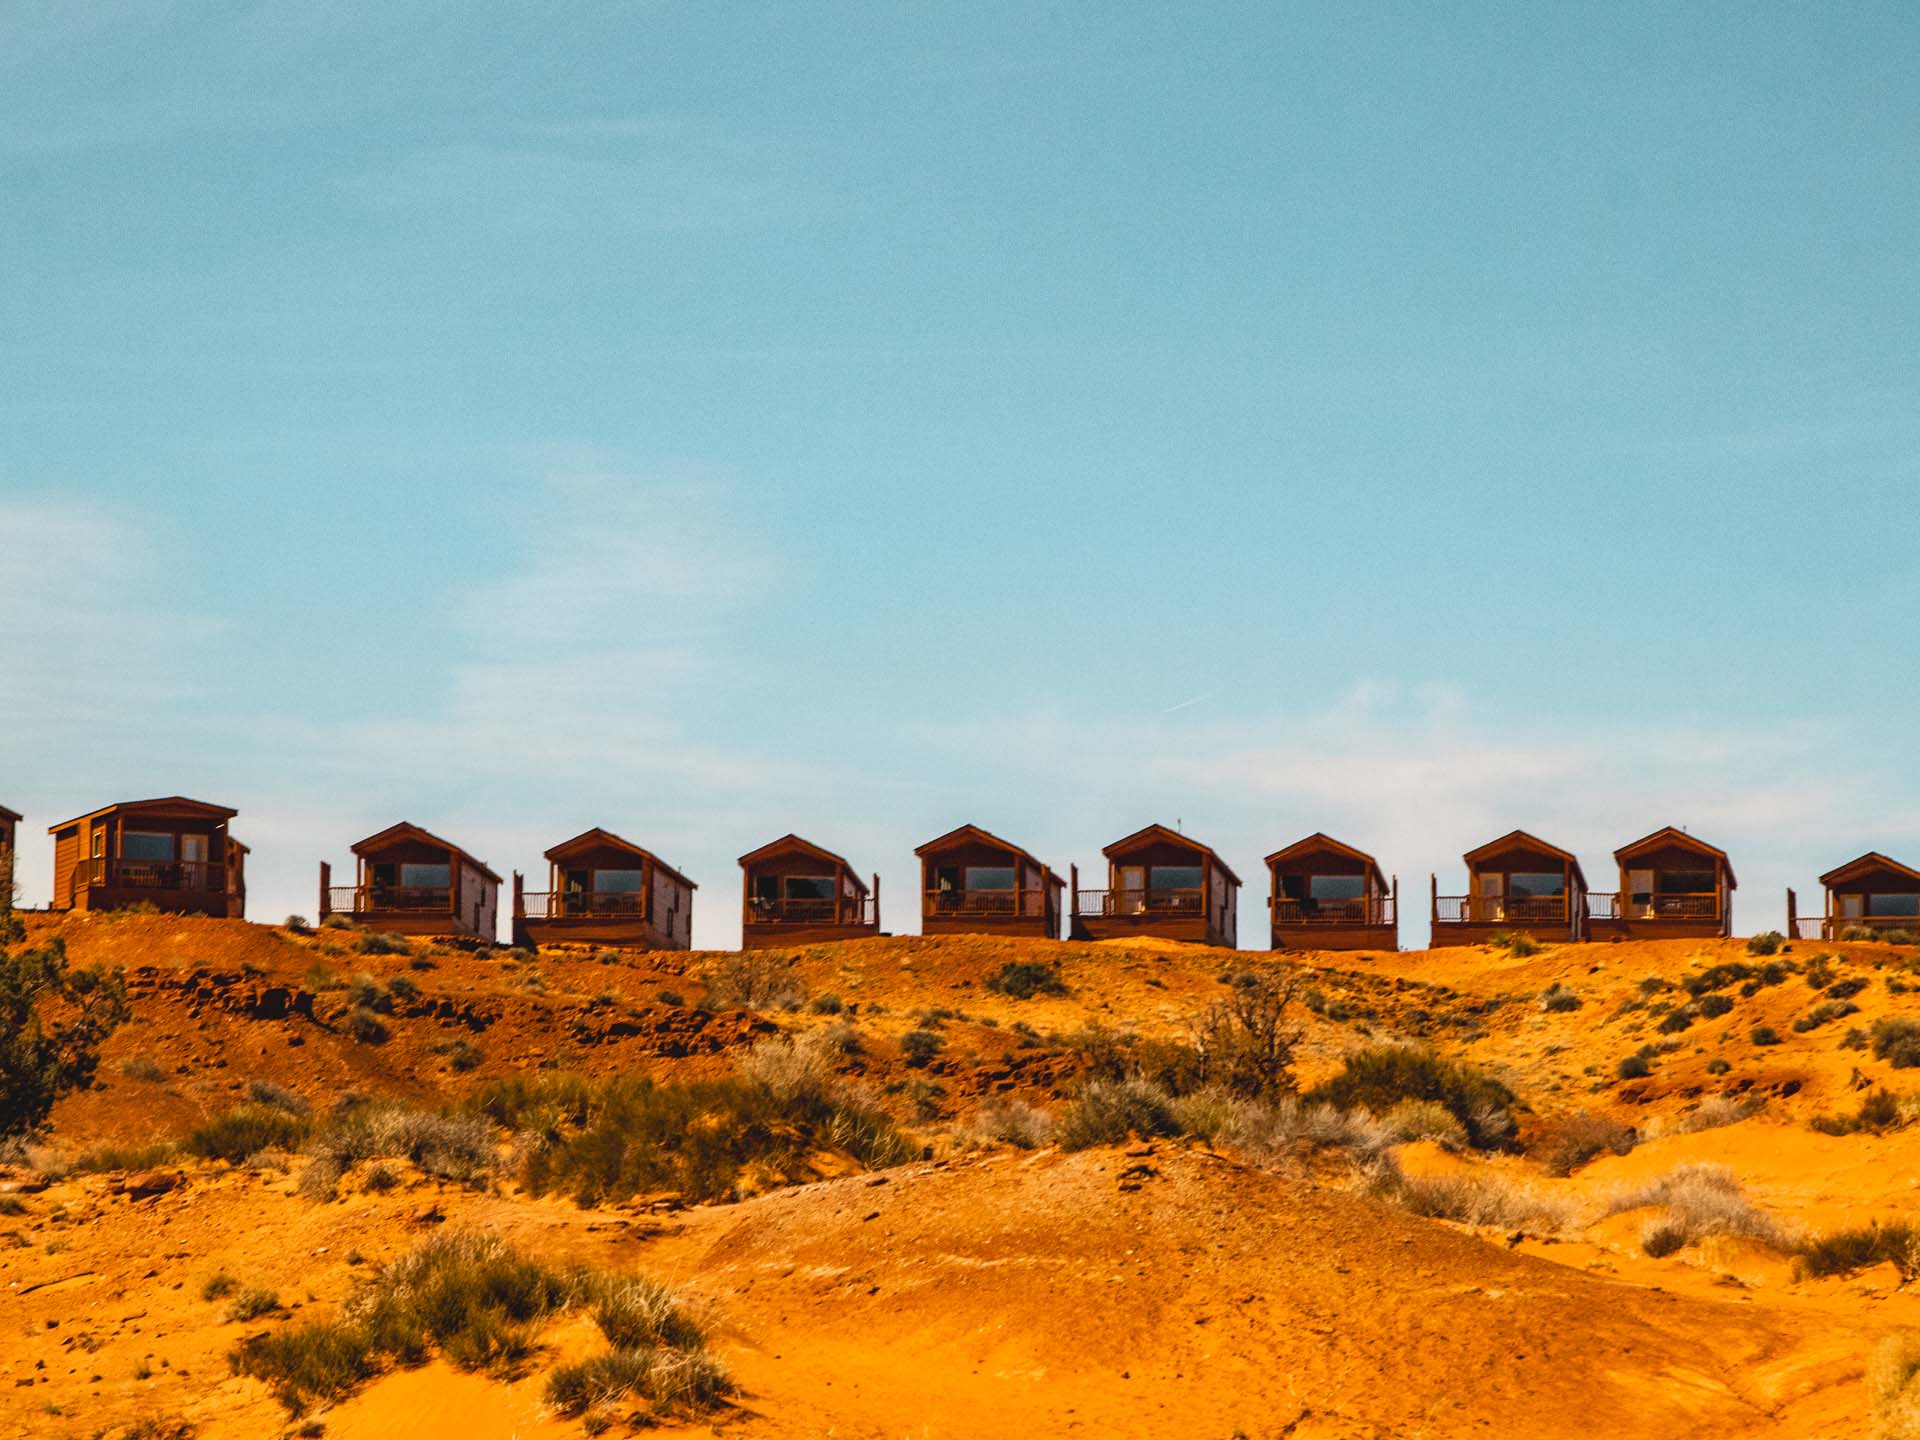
point(411, 882)
point(794, 893)
point(1672, 887)
point(172, 853)
point(9, 829)
point(1865, 897)
point(1163, 884)
point(1329, 896)
point(972, 882)
point(608, 891)
point(1518, 884)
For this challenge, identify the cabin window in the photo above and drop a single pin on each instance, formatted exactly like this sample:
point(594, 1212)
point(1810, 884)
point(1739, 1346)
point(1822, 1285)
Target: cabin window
point(619, 882)
point(1523, 885)
point(425, 877)
point(145, 845)
point(990, 877)
point(1893, 904)
point(1175, 877)
point(1337, 887)
point(808, 887)
point(946, 878)
point(1688, 882)
point(766, 887)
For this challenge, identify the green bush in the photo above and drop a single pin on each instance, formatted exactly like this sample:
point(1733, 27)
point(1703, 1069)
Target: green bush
point(1764, 1035)
point(1676, 1020)
point(1841, 1252)
point(1106, 1112)
point(366, 1026)
point(1718, 1066)
point(43, 1057)
point(1896, 1039)
point(1878, 1113)
point(1379, 1078)
point(1557, 999)
point(376, 943)
point(1768, 942)
point(1712, 1007)
point(251, 1305)
point(1823, 1013)
point(918, 1047)
point(1024, 979)
point(1634, 1067)
point(247, 1130)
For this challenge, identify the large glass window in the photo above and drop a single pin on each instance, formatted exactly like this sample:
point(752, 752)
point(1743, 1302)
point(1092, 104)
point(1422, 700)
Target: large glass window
point(145, 845)
point(1337, 887)
point(1175, 877)
point(424, 877)
point(1893, 904)
point(990, 877)
point(1524, 886)
point(809, 887)
point(766, 887)
point(619, 882)
point(1687, 882)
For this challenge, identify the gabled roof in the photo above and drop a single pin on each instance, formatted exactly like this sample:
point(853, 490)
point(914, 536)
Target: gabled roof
point(1872, 860)
point(171, 803)
point(1172, 837)
point(407, 830)
point(1519, 840)
point(6, 814)
point(791, 844)
point(1320, 840)
point(1671, 835)
point(987, 837)
point(588, 839)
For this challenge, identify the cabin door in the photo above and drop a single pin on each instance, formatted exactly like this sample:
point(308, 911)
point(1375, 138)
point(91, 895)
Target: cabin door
point(575, 885)
point(193, 852)
point(1492, 897)
point(1640, 893)
point(1133, 889)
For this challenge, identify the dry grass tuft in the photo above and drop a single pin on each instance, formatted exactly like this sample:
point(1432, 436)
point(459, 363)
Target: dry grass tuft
point(1699, 1200)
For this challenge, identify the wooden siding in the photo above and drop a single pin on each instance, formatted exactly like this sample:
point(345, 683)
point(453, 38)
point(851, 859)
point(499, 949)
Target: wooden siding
point(852, 914)
point(1031, 908)
point(1205, 915)
point(111, 880)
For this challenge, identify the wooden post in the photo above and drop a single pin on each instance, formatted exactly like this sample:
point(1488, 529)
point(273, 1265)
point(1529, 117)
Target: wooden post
point(1074, 872)
point(326, 890)
point(1396, 912)
point(453, 885)
point(876, 900)
point(519, 896)
point(1793, 908)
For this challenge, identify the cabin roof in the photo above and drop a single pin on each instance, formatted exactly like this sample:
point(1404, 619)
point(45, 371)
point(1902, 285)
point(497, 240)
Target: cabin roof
point(1872, 860)
point(407, 830)
point(588, 839)
point(1320, 840)
point(791, 844)
point(6, 814)
point(171, 803)
point(1672, 835)
point(1521, 840)
point(1171, 836)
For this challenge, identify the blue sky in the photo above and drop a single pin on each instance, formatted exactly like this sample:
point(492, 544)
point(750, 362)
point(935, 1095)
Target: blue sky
point(1408, 421)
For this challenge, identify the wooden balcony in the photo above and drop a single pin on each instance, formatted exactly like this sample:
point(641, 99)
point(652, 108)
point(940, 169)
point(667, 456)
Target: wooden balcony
point(1360, 913)
point(364, 900)
point(1112, 904)
point(847, 910)
point(983, 904)
point(584, 904)
point(1500, 910)
point(165, 876)
point(1680, 909)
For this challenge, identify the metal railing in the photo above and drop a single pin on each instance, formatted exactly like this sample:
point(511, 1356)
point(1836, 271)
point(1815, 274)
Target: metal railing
point(1611, 905)
point(1500, 910)
point(1367, 910)
point(168, 875)
point(563, 904)
point(848, 910)
point(408, 899)
point(984, 904)
point(1142, 902)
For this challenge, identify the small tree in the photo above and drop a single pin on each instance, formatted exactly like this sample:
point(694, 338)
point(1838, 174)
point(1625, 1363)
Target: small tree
point(1244, 1042)
point(53, 1020)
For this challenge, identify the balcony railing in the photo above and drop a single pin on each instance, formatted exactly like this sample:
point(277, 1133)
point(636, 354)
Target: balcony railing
point(168, 875)
point(1609, 905)
point(1500, 910)
point(577, 904)
point(1122, 903)
point(1838, 927)
point(391, 899)
point(849, 910)
point(1370, 910)
point(984, 904)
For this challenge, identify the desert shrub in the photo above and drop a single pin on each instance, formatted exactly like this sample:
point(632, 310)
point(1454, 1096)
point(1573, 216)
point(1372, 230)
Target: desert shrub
point(1557, 999)
point(844, 1037)
point(1719, 1065)
point(1819, 972)
point(402, 989)
point(1469, 1198)
point(461, 1054)
point(297, 924)
point(246, 1130)
point(1712, 1007)
point(1823, 1013)
point(1768, 942)
point(1699, 1200)
point(1277, 1127)
point(827, 1004)
point(335, 920)
point(1896, 1039)
point(365, 1026)
point(53, 1020)
point(1521, 946)
point(1380, 1078)
point(1024, 979)
point(674, 1380)
point(1634, 1067)
point(1841, 1252)
point(1877, 1113)
point(218, 1286)
point(1676, 1020)
point(789, 1070)
point(1244, 1043)
point(277, 1097)
point(1848, 988)
point(1892, 1387)
point(1567, 1142)
point(122, 1157)
point(374, 942)
point(450, 1146)
point(471, 1298)
point(141, 1068)
point(1011, 1122)
point(252, 1304)
point(159, 1427)
point(918, 1047)
point(1106, 1112)
point(1412, 1120)
point(1716, 977)
point(1711, 1114)
point(1764, 1035)
point(752, 980)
